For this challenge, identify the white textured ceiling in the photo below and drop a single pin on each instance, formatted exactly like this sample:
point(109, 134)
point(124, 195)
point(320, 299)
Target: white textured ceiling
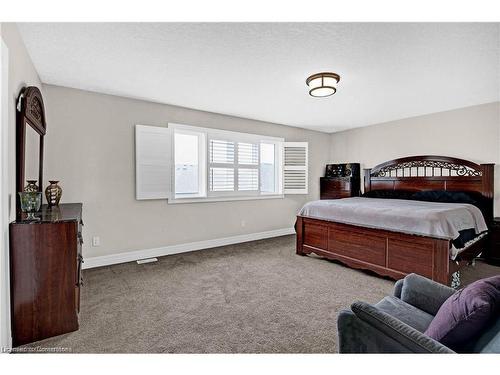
point(258, 70)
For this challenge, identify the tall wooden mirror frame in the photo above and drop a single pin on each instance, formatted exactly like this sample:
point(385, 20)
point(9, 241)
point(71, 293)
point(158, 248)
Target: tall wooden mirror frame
point(30, 112)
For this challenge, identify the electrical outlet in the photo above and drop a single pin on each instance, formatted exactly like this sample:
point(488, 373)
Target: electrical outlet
point(243, 223)
point(96, 241)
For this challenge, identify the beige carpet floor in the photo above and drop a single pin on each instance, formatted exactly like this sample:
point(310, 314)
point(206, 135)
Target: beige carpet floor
point(256, 297)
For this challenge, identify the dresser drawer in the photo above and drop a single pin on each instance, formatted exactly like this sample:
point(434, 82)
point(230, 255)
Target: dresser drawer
point(335, 194)
point(341, 187)
point(336, 184)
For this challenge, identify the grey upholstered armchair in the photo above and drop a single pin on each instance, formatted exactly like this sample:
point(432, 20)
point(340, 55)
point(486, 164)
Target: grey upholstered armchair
point(396, 323)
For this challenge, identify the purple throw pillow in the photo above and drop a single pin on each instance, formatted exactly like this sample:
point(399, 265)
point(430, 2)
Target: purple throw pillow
point(464, 315)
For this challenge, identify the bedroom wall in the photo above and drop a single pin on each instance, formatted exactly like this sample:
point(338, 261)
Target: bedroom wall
point(471, 133)
point(90, 149)
point(21, 72)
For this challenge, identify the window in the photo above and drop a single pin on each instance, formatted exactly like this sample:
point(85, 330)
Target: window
point(187, 164)
point(213, 164)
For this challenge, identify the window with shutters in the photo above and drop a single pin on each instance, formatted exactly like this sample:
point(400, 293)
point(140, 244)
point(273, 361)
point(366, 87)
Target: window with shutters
point(187, 164)
point(212, 164)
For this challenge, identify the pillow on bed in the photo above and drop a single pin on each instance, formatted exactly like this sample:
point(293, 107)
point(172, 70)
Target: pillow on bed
point(464, 315)
point(388, 194)
point(443, 196)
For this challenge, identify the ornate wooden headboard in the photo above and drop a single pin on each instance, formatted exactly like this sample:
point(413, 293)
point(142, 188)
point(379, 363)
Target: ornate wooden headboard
point(429, 172)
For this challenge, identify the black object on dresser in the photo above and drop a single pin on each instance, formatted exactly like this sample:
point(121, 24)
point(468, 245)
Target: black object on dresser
point(45, 273)
point(340, 181)
point(492, 255)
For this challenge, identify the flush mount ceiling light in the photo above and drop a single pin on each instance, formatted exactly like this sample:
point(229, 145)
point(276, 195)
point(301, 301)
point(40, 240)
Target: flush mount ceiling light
point(323, 84)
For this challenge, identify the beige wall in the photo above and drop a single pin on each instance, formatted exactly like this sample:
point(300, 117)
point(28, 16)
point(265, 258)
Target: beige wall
point(90, 148)
point(90, 144)
point(471, 133)
point(21, 73)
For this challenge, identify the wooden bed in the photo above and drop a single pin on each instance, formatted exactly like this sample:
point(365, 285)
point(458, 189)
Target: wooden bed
point(396, 254)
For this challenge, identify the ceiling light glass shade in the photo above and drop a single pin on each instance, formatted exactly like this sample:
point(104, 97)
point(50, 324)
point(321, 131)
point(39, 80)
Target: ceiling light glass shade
point(321, 92)
point(323, 84)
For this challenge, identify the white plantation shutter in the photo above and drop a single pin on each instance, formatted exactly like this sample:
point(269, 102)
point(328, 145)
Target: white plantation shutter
point(221, 152)
point(234, 166)
point(221, 179)
point(248, 179)
point(248, 153)
point(152, 162)
point(295, 166)
point(222, 159)
point(248, 163)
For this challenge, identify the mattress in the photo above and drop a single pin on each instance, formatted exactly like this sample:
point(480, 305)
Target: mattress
point(430, 219)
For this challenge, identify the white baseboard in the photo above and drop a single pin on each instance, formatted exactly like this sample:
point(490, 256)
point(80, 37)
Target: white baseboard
point(132, 256)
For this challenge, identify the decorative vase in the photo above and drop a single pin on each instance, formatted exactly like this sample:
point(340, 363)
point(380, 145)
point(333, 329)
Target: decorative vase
point(32, 187)
point(53, 193)
point(31, 202)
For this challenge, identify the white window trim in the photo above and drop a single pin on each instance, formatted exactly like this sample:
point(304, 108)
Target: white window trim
point(225, 199)
point(229, 195)
point(224, 133)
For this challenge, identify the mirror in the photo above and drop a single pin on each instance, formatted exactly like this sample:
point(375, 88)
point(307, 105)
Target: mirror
point(30, 132)
point(32, 156)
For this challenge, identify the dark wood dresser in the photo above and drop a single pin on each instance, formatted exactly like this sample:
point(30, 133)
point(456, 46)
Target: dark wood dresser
point(339, 187)
point(340, 181)
point(45, 273)
point(492, 255)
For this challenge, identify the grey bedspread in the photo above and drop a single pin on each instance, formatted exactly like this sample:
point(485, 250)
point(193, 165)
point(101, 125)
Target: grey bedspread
point(437, 220)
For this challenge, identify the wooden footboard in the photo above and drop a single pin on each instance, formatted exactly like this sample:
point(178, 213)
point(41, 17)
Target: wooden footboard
point(386, 253)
